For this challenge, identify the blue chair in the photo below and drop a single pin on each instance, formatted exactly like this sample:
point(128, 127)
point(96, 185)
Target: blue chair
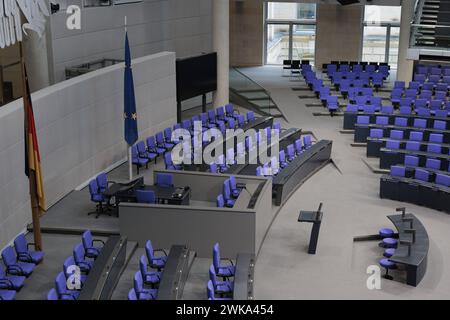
point(389, 252)
point(152, 148)
point(411, 161)
point(169, 162)
point(99, 199)
point(7, 295)
point(432, 163)
point(290, 152)
point(23, 253)
point(210, 292)
point(220, 202)
point(164, 180)
point(146, 152)
point(282, 158)
point(145, 196)
point(155, 262)
point(235, 191)
point(137, 160)
point(52, 295)
point(102, 182)
point(168, 137)
point(10, 282)
point(14, 266)
point(250, 116)
point(61, 288)
point(68, 266)
point(79, 256)
point(386, 233)
point(298, 146)
point(151, 278)
point(388, 265)
point(230, 112)
point(141, 293)
point(162, 143)
point(88, 244)
point(213, 167)
point(259, 172)
point(226, 270)
point(332, 104)
point(389, 243)
point(442, 180)
point(220, 287)
point(307, 141)
point(221, 163)
point(382, 121)
point(229, 201)
point(396, 135)
point(132, 296)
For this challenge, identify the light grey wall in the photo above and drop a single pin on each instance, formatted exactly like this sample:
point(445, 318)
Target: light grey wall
point(80, 131)
point(153, 26)
point(198, 227)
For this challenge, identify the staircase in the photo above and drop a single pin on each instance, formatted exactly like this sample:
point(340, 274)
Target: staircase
point(431, 27)
point(248, 94)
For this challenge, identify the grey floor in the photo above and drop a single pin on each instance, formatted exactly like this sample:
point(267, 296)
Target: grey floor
point(351, 207)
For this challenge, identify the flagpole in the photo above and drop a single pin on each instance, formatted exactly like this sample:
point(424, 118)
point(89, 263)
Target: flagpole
point(35, 209)
point(130, 160)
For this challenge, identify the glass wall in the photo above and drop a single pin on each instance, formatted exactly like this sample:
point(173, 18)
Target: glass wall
point(381, 34)
point(290, 31)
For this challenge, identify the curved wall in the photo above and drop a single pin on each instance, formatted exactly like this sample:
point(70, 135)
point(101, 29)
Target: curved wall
point(80, 131)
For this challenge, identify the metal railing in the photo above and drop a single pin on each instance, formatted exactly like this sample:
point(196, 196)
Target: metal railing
point(249, 94)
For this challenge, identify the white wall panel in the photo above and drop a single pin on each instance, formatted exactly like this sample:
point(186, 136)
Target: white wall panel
point(80, 130)
point(153, 25)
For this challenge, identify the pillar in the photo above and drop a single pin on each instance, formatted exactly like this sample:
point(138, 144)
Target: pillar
point(221, 45)
point(405, 67)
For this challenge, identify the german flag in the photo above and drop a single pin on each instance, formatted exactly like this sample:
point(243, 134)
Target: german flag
point(32, 157)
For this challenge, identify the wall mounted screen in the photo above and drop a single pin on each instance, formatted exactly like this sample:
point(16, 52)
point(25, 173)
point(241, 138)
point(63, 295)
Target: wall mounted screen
point(196, 76)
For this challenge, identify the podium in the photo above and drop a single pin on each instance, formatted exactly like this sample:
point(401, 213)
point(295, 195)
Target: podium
point(314, 217)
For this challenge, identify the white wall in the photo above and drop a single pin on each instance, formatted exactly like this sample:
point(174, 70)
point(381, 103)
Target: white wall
point(80, 131)
point(180, 26)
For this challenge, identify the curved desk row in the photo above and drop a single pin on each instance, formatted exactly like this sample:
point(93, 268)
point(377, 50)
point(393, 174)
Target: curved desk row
point(415, 191)
point(374, 145)
point(244, 277)
point(300, 169)
point(286, 138)
point(350, 118)
point(390, 157)
point(175, 273)
point(362, 132)
point(107, 269)
point(412, 251)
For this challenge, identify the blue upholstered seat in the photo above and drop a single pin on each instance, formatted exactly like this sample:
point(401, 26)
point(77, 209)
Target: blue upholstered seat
point(386, 233)
point(91, 251)
point(222, 270)
point(23, 253)
point(155, 262)
point(14, 266)
point(10, 282)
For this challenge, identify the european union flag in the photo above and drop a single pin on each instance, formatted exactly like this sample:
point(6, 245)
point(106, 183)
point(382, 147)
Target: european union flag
point(130, 115)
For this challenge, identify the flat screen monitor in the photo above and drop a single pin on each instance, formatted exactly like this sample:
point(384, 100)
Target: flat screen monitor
point(196, 76)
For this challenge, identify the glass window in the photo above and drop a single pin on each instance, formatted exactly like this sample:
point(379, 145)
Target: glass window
point(291, 31)
point(277, 43)
point(374, 44)
point(290, 11)
point(303, 42)
point(393, 47)
point(380, 14)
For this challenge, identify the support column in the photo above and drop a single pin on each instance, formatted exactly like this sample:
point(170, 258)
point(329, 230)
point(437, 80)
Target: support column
point(405, 67)
point(221, 45)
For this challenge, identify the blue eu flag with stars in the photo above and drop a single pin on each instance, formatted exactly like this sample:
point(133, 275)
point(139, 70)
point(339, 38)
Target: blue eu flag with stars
point(130, 115)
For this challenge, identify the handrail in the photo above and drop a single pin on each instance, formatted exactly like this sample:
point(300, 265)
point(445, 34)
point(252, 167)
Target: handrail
point(431, 26)
point(252, 81)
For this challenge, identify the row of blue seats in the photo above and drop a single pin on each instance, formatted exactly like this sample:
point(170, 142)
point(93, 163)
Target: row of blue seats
point(410, 96)
point(419, 86)
point(432, 69)
point(389, 243)
point(20, 263)
point(273, 167)
point(146, 280)
point(370, 108)
point(163, 142)
point(76, 268)
point(413, 145)
point(400, 122)
point(332, 69)
point(412, 162)
point(223, 162)
point(226, 271)
point(422, 175)
point(230, 192)
point(437, 138)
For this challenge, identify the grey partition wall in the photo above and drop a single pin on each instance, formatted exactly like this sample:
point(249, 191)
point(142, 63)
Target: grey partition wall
point(201, 224)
